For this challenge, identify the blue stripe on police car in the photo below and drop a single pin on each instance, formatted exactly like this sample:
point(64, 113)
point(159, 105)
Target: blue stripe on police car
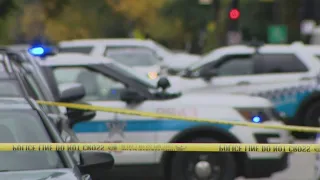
point(142, 125)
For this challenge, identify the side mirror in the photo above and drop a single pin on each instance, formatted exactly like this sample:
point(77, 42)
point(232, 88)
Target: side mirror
point(97, 164)
point(74, 92)
point(131, 96)
point(76, 115)
point(163, 83)
point(70, 92)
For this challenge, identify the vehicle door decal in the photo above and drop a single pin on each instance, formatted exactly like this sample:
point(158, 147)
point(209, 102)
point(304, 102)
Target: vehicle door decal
point(116, 127)
point(287, 99)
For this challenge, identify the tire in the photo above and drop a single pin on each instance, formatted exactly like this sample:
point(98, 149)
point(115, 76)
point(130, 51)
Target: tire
point(311, 118)
point(183, 163)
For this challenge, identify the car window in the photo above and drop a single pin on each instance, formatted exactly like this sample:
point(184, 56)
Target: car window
point(10, 88)
point(237, 65)
point(38, 92)
point(25, 126)
point(32, 87)
point(133, 57)
point(98, 86)
point(82, 49)
point(280, 63)
point(212, 56)
point(164, 50)
point(132, 74)
point(124, 48)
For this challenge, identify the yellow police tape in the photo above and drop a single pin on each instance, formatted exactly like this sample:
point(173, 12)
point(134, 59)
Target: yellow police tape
point(167, 116)
point(186, 147)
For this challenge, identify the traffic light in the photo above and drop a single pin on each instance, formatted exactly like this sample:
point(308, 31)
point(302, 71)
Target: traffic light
point(234, 15)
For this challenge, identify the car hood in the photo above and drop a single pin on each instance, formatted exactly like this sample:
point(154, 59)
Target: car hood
point(57, 174)
point(147, 69)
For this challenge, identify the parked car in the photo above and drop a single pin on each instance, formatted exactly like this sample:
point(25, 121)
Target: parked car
point(168, 58)
point(288, 75)
point(23, 121)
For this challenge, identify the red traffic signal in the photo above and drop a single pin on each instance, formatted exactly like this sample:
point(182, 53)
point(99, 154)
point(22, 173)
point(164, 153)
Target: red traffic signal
point(234, 14)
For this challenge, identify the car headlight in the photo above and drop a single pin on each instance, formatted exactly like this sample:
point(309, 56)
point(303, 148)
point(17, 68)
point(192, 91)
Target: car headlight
point(258, 115)
point(153, 75)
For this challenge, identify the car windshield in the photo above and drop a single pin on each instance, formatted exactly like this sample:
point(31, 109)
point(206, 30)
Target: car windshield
point(213, 55)
point(130, 73)
point(163, 49)
point(9, 88)
point(82, 49)
point(133, 57)
point(25, 126)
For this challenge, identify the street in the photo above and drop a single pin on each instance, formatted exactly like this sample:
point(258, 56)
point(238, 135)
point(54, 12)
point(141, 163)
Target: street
point(301, 167)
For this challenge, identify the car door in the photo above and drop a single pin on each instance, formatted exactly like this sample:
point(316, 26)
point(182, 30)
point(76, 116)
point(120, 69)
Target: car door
point(283, 78)
point(102, 90)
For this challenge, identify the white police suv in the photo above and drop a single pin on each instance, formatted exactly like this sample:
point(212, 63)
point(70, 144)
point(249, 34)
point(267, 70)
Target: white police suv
point(110, 84)
point(288, 75)
point(103, 47)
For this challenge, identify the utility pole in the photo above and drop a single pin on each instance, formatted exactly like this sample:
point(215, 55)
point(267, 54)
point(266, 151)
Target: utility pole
point(308, 14)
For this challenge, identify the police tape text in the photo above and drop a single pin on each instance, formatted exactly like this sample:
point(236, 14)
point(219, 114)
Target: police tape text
point(188, 112)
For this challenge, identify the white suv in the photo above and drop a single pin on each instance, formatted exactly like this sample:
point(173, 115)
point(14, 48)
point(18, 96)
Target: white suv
point(285, 74)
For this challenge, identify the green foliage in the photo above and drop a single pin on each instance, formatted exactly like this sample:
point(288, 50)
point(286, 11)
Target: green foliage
point(172, 21)
point(192, 15)
point(6, 6)
point(53, 8)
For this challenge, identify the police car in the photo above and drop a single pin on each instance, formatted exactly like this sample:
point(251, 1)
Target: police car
point(288, 75)
point(21, 77)
point(101, 47)
point(139, 59)
point(111, 84)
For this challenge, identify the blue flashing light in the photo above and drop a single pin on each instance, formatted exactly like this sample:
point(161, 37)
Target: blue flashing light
point(41, 51)
point(37, 51)
point(256, 119)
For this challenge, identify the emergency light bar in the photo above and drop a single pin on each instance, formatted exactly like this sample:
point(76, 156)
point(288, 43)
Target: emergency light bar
point(256, 119)
point(42, 51)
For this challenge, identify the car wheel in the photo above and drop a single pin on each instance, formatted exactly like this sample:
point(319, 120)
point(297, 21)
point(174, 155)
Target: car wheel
point(311, 118)
point(203, 165)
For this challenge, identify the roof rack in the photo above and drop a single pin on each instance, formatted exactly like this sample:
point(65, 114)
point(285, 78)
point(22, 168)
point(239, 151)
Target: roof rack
point(10, 69)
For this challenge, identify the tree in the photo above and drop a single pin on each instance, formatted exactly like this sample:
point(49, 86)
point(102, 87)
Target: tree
point(141, 12)
point(6, 6)
point(32, 21)
point(145, 15)
point(85, 19)
point(193, 17)
point(53, 8)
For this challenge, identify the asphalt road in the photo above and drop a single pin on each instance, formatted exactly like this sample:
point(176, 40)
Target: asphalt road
point(301, 167)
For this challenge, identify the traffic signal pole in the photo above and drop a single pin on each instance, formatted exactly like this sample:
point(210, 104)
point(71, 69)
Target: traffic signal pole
point(234, 15)
point(234, 35)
